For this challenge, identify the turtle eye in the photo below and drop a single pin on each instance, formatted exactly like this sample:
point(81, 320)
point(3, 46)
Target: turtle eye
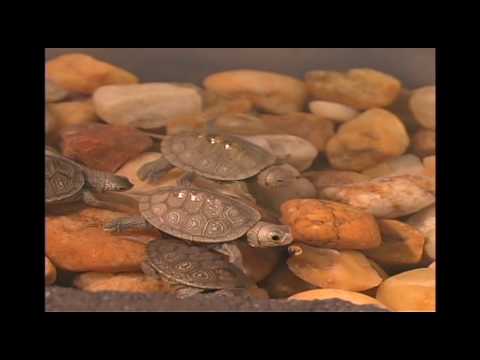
point(275, 237)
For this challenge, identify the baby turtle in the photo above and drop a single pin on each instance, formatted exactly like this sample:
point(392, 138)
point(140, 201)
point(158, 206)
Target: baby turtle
point(191, 269)
point(214, 156)
point(204, 216)
point(66, 182)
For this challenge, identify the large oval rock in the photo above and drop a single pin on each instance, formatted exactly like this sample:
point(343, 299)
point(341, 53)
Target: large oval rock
point(386, 197)
point(423, 106)
point(80, 112)
point(330, 225)
point(270, 92)
point(325, 178)
point(78, 243)
point(374, 136)
point(146, 106)
point(402, 165)
point(424, 221)
point(84, 74)
point(359, 88)
point(50, 272)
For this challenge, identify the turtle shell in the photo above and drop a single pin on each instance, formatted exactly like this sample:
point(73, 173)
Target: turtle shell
point(198, 215)
point(63, 178)
point(195, 266)
point(220, 157)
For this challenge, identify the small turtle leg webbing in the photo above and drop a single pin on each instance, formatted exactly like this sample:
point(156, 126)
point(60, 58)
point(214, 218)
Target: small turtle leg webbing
point(154, 170)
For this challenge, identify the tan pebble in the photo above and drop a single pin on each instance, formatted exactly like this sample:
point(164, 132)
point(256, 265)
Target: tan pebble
point(402, 165)
point(84, 74)
point(54, 93)
point(409, 291)
point(331, 225)
point(78, 243)
point(73, 113)
point(359, 88)
point(327, 268)
point(429, 164)
point(283, 283)
point(401, 244)
point(146, 106)
point(423, 106)
point(271, 92)
point(424, 142)
point(386, 197)
point(425, 221)
point(259, 263)
point(50, 272)
point(325, 178)
point(310, 127)
point(371, 138)
point(124, 282)
point(323, 294)
point(333, 111)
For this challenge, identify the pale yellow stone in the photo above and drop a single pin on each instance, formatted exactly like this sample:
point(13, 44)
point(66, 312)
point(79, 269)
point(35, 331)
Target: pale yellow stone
point(123, 282)
point(423, 106)
point(333, 111)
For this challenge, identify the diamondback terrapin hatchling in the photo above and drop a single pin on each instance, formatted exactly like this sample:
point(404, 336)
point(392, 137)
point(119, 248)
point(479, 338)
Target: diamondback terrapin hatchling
point(204, 216)
point(67, 182)
point(191, 269)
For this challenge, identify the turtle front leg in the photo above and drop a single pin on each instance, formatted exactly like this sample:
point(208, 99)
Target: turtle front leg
point(232, 252)
point(154, 170)
point(133, 223)
point(183, 292)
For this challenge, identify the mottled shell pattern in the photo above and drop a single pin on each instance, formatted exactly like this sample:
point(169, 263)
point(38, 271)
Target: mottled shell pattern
point(198, 214)
point(195, 266)
point(220, 157)
point(63, 179)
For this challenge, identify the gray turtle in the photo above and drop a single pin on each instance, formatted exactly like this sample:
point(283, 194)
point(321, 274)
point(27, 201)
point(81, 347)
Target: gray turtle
point(67, 182)
point(191, 269)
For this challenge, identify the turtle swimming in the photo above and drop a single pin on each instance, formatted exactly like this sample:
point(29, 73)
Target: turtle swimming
point(67, 182)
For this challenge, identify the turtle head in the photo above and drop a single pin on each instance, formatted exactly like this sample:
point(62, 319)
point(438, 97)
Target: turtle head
point(117, 183)
point(277, 175)
point(265, 234)
point(104, 182)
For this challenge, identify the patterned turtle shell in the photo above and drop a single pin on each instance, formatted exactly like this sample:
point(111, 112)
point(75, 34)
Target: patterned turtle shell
point(219, 157)
point(194, 266)
point(63, 179)
point(198, 215)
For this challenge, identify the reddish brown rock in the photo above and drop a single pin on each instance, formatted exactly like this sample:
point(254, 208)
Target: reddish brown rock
point(258, 262)
point(283, 283)
point(103, 147)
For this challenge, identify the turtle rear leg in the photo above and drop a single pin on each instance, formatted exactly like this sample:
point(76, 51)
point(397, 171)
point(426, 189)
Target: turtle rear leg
point(232, 252)
point(89, 199)
point(154, 170)
point(132, 223)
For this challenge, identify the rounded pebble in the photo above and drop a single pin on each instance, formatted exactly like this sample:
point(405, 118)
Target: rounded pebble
point(333, 111)
point(423, 106)
point(403, 165)
point(50, 272)
point(424, 142)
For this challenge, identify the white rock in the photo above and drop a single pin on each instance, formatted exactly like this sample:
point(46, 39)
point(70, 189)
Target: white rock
point(422, 104)
point(293, 150)
point(146, 106)
point(424, 221)
point(402, 165)
point(333, 111)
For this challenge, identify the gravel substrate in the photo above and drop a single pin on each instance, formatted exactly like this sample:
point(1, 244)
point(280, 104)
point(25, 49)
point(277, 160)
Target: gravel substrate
point(60, 299)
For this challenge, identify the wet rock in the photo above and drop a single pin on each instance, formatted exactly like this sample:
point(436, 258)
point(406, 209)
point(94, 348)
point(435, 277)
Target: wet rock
point(270, 92)
point(359, 88)
point(283, 283)
point(50, 272)
point(424, 221)
point(84, 74)
point(403, 165)
point(323, 294)
point(259, 262)
point(423, 106)
point(103, 147)
point(80, 112)
point(386, 197)
point(424, 142)
point(333, 269)
point(333, 111)
point(412, 290)
point(371, 138)
point(146, 106)
point(325, 178)
point(330, 225)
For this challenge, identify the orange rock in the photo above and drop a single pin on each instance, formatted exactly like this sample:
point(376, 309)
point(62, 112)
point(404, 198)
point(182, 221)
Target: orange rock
point(422, 104)
point(327, 268)
point(323, 294)
point(371, 138)
point(409, 291)
point(103, 147)
point(78, 243)
point(402, 244)
point(259, 262)
point(84, 74)
point(307, 126)
point(73, 113)
point(271, 92)
point(429, 164)
point(424, 142)
point(124, 282)
point(282, 283)
point(50, 272)
point(325, 178)
point(432, 265)
point(330, 225)
point(359, 88)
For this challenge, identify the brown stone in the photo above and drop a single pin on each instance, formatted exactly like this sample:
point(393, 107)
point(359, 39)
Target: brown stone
point(401, 244)
point(78, 243)
point(50, 272)
point(359, 88)
point(283, 283)
point(330, 225)
point(103, 147)
point(371, 138)
point(258, 262)
point(79, 112)
point(424, 142)
point(84, 74)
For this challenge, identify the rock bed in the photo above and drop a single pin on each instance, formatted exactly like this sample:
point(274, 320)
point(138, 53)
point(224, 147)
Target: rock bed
point(360, 149)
